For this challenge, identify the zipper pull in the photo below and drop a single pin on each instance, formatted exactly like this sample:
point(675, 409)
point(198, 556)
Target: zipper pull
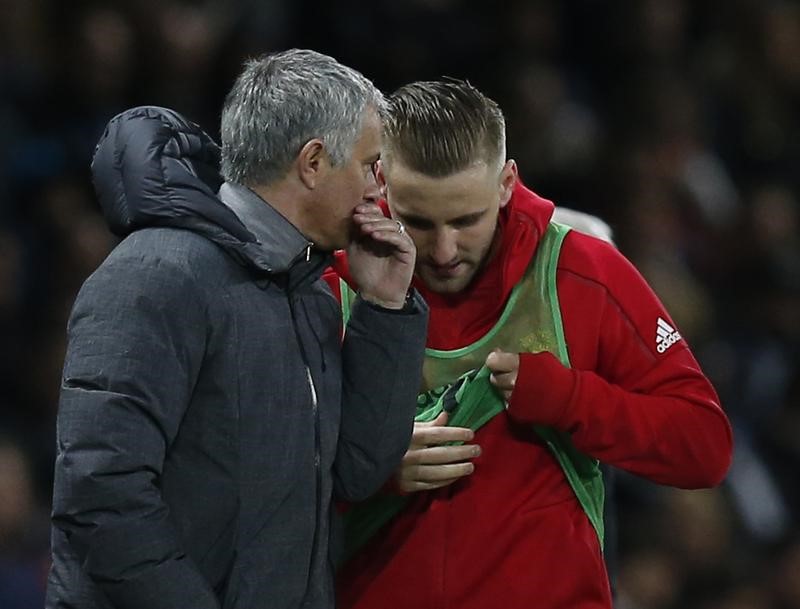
point(312, 387)
point(308, 253)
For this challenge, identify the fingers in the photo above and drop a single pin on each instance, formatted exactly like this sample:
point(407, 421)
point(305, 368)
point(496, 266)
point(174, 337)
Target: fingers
point(431, 462)
point(386, 232)
point(441, 419)
point(371, 222)
point(499, 361)
point(504, 367)
point(413, 486)
point(436, 473)
point(427, 435)
point(437, 455)
point(504, 383)
point(368, 210)
point(369, 217)
point(425, 477)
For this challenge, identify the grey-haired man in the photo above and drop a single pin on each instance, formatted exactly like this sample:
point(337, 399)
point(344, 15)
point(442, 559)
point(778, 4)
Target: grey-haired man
point(209, 410)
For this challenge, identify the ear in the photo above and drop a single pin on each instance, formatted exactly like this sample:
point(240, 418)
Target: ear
point(508, 178)
point(312, 163)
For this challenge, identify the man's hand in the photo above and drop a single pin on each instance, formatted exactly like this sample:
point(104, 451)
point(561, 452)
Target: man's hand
point(428, 464)
point(504, 367)
point(381, 257)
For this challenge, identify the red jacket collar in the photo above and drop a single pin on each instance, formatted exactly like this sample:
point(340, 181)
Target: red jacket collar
point(460, 319)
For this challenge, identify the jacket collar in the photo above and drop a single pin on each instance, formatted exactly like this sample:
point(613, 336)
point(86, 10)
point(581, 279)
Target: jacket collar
point(278, 239)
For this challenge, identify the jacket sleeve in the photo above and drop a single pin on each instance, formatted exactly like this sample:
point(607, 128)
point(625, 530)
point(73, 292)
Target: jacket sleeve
point(625, 402)
point(136, 339)
point(382, 372)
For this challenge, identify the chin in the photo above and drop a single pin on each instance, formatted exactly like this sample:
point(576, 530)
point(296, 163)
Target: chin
point(331, 243)
point(446, 286)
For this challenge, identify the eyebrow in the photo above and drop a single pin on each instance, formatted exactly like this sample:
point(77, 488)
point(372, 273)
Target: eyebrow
point(465, 220)
point(469, 218)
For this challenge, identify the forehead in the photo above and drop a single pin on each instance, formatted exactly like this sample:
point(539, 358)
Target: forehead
point(440, 199)
point(368, 143)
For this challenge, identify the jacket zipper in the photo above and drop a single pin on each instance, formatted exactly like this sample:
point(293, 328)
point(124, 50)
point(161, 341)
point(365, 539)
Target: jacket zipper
point(317, 465)
point(315, 410)
point(314, 407)
point(317, 448)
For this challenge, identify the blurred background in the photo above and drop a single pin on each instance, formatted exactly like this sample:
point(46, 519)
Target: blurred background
point(677, 122)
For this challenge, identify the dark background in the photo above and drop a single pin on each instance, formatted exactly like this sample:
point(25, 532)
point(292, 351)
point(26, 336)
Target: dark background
point(678, 122)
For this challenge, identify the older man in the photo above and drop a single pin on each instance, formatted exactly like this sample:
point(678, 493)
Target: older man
point(209, 411)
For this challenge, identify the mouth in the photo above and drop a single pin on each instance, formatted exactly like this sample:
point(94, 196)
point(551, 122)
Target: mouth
point(446, 271)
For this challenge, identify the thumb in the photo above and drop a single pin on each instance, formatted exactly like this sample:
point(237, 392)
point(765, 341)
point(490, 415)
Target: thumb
point(439, 421)
point(495, 358)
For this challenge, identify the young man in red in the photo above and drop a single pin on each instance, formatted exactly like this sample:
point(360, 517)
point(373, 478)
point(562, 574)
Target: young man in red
point(547, 352)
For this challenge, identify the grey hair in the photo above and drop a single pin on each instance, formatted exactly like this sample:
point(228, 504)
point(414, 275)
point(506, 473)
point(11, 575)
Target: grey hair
point(281, 101)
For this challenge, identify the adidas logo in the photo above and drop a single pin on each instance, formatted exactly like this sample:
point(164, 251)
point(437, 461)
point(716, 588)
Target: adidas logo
point(666, 336)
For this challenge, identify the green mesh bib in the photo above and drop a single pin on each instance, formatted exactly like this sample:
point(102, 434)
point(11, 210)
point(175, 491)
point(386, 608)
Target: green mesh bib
point(457, 381)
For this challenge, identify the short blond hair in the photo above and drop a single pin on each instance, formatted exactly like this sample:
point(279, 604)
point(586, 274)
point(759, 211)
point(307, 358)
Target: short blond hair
point(441, 127)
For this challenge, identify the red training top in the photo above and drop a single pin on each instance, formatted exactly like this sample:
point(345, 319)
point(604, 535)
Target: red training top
point(512, 535)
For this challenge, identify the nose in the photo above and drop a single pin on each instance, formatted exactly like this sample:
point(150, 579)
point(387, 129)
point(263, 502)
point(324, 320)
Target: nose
point(372, 193)
point(445, 247)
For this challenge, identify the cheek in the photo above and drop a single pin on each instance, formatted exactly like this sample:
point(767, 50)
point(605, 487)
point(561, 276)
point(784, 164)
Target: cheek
point(422, 241)
point(350, 193)
point(475, 240)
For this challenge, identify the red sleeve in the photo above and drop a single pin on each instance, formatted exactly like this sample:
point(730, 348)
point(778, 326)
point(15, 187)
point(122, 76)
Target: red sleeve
point(339, 269)
point(331, 277)
point(635, 396)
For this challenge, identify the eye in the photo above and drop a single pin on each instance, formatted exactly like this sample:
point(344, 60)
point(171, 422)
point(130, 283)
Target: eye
point(371, 168)
point(418, 223)
point(466, 221)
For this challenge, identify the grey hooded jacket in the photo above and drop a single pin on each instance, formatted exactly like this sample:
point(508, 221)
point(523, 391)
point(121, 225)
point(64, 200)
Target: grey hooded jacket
point(209, 410)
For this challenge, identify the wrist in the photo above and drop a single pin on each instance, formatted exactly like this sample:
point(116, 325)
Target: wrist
point(542, 375)
point(393, 304)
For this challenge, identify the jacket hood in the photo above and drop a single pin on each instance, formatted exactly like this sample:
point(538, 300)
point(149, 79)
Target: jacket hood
point(154, 168)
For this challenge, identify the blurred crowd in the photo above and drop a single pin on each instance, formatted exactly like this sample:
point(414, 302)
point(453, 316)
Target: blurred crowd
point(676, 121)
